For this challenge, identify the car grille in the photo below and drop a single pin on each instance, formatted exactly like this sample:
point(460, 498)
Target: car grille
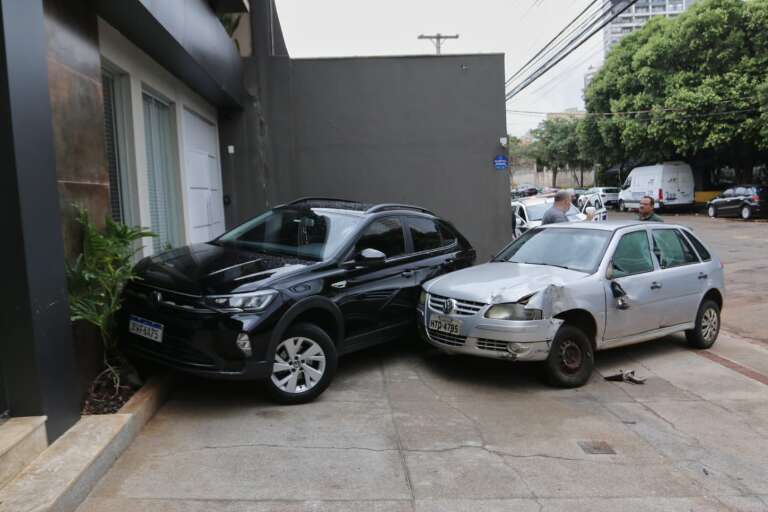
point(447, 339)
point(463, 307)
point(492, 345)
point(173, 349)
point(169, 300)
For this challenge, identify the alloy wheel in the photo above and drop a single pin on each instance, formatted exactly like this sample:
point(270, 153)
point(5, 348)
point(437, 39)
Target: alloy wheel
point(299, 365)
point(746, 213)
point(710, 324)
point(712, 212)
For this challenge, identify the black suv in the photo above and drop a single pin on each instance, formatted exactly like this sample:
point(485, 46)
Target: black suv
point(281, 296)
point(745, 201)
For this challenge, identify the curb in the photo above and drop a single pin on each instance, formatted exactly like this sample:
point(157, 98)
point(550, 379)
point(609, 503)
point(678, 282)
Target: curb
point(66, 472)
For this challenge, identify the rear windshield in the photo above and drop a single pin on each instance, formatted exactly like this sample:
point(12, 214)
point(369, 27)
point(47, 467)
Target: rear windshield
point(611, 190)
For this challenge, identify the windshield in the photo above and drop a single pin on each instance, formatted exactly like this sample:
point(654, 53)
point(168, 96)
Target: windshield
point(536, 211)
point(308, 233)
point(574, 249)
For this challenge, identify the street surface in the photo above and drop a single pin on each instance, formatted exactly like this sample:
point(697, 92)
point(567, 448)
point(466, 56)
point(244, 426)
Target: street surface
point(404, 427)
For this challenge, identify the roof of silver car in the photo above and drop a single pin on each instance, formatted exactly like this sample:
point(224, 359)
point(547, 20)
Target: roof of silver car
point(613, 225)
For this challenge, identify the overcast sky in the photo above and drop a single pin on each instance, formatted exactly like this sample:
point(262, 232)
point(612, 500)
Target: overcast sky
point(518, 28)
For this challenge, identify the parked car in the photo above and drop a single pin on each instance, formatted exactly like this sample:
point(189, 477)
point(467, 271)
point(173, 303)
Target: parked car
point(563, 291)
point(525, 191)
point(281, 296)
point(669, 184)
point(745, 201)
point(529, 212)
point(609, 195)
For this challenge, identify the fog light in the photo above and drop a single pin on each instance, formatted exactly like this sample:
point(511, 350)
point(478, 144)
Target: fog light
point(515, 348)
point(244, 344)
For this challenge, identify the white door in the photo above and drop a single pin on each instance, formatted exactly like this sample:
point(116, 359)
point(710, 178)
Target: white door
point(205, 203)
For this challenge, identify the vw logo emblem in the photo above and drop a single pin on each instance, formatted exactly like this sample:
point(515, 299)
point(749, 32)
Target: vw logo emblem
point(155, 299)
point(448, 306)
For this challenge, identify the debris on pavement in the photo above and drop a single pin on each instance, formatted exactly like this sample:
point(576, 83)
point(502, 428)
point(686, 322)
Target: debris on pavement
point(626, 376)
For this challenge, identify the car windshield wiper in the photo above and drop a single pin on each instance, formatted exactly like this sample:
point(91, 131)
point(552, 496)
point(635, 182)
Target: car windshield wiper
point(545, 264)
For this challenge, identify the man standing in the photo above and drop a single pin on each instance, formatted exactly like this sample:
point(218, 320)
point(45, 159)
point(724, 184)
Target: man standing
point(645, 212)
point(557, 212)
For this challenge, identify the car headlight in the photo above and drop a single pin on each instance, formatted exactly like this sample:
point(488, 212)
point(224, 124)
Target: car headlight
point(512, 312)
point(422, 298)
point(256, 301)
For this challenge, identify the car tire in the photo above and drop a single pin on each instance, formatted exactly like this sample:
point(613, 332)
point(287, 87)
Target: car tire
point(712, 211)
point(622, 206)
point(746, 212)
point(304, 363)
point(571, 358)
point(707, 327)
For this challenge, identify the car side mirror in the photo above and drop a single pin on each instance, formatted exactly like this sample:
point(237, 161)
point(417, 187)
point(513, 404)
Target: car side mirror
point(622, 301)
point(371, 258)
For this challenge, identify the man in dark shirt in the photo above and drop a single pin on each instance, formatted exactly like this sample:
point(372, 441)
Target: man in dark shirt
point(645, 211)
point(557, 212)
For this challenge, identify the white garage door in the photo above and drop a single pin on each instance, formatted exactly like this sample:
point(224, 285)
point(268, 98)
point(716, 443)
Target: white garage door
point(203, 177)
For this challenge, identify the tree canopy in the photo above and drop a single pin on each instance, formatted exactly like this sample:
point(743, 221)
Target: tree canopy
point(690, 87)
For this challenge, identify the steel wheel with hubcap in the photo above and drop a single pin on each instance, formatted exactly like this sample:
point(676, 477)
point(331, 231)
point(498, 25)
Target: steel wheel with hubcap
point(712, 211)
point(746, 212)
point(707, 328)
point(303, 365)
point(571, 358)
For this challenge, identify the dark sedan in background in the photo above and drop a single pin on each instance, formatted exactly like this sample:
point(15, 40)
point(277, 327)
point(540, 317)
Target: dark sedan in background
point(745, 201)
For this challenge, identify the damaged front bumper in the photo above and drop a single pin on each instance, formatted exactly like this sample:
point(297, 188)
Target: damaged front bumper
point(528, 340)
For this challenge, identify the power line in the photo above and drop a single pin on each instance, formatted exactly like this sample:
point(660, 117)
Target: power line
point(551, 41)
point(574, 44)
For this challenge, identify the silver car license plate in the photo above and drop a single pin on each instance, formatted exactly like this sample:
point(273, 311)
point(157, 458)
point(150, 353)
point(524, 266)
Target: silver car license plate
point(145, 328)
point(445, 325)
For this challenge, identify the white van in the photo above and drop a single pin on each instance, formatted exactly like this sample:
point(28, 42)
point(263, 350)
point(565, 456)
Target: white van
point(668, 183)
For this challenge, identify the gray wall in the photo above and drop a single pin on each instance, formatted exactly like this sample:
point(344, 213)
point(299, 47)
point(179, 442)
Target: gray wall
point(421, 130)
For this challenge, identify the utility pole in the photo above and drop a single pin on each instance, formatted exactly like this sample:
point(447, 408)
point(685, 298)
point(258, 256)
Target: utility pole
point(437, 39)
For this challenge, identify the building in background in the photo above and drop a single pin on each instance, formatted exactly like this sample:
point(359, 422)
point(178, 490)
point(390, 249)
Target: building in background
point(637, 15)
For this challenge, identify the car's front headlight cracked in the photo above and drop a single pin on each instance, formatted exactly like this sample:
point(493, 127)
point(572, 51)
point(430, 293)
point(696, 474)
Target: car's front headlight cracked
point(512, 311)
point(243, 302)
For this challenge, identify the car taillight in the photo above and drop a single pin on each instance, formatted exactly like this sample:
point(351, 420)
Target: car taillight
point(661, 195)
point(755, 198)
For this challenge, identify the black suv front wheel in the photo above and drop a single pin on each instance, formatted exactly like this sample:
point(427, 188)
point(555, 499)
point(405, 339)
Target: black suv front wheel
point(304, 365)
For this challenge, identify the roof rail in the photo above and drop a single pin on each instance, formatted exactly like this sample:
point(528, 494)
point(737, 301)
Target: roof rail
point(307, 199)
point(394, 206)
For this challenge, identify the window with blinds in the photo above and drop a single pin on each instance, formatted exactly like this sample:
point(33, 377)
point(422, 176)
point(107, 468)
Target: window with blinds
point(164, 201)
point(111, 147)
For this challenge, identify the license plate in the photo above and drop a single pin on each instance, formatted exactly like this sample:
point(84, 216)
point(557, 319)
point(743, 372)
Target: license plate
point(145, 328)
point(446, 325)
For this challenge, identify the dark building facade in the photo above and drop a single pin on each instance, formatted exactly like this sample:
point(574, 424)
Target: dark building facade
point(146, 111)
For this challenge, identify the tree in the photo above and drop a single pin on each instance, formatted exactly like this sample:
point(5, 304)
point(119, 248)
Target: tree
point(560, 145)
point(690, 87)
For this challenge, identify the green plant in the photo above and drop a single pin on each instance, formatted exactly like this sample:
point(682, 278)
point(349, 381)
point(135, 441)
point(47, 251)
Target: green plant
point(97, 277)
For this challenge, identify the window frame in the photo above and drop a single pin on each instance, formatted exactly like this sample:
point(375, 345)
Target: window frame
point(684, 241)
point(654, 262)
point(690, 237)
point(436, 221)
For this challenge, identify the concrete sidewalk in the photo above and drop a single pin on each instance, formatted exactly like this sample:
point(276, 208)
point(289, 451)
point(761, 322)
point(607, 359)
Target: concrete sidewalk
point(406, 428)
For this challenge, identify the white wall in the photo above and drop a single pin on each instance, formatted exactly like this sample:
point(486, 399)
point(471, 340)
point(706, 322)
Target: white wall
point(140, 73)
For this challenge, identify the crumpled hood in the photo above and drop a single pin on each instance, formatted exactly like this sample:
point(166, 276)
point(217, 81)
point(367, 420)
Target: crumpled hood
point(211, 269)
point(498, 282)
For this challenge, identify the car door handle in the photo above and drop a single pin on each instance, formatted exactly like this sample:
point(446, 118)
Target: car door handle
point(655, 286)
point(702, 275)
point(407, 273)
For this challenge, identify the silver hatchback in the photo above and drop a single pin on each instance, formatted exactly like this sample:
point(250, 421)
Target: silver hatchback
point(561, 292)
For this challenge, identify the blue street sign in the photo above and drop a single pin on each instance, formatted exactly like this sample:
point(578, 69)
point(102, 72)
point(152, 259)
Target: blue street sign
point(500, 162)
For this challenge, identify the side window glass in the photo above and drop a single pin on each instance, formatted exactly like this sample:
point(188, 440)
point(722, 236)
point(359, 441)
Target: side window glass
point(447, 235)
point(385, 235)
point(672, 249)
point(521, 213)
point(632, 255)
point(728, 193)
point(703, 252)
point(740, 191)
point(424, 234)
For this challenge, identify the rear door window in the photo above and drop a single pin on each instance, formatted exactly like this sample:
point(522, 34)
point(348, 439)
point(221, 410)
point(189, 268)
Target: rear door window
point(424, 234)
point(672, 249)
point(385, 235)
point(632, 255)
point(703, 252)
